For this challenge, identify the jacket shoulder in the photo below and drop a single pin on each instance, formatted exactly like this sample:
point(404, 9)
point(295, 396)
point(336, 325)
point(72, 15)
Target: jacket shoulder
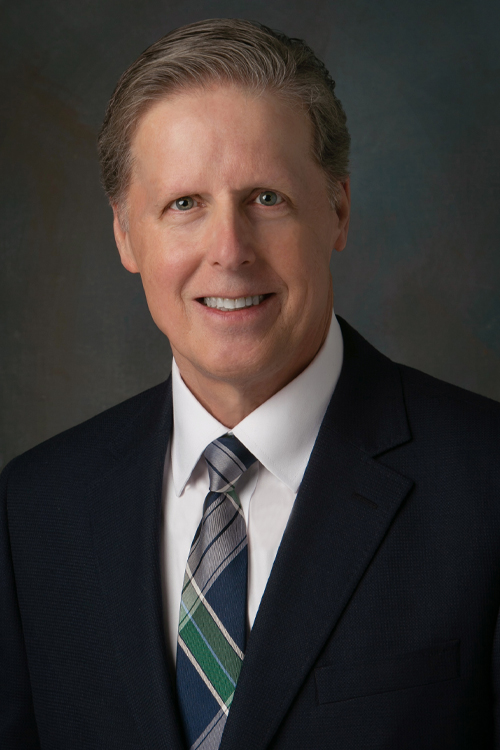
point(442, 405)
point(88, 443)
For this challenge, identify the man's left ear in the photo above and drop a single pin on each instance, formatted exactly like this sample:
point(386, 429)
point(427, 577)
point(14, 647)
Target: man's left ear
point(122, 239)
point(343, 213)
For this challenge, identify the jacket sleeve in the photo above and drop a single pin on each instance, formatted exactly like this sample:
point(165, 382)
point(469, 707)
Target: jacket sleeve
point(18, 729)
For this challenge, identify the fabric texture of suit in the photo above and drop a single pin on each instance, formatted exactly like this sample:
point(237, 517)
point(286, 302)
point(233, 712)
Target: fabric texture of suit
point(378, 629)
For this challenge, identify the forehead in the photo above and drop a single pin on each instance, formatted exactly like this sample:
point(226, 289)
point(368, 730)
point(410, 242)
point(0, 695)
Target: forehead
point(223, 133)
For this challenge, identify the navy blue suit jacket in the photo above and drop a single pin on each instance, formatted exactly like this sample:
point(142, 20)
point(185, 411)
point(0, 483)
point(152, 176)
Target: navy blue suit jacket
point(378, 628)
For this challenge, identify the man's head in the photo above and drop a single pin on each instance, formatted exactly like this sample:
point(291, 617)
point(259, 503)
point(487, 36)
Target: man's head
point(228, 188)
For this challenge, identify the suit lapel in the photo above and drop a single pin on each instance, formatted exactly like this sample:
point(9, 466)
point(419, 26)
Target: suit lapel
point(345, 505)
point(125, 510)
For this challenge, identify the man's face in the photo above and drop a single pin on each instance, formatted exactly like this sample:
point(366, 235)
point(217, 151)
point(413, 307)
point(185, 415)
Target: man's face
point(227, 203)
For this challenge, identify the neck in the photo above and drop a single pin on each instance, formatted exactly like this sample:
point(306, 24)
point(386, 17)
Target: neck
point(230, 401)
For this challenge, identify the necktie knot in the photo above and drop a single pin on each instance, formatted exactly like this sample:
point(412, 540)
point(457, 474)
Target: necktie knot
point(227, 459)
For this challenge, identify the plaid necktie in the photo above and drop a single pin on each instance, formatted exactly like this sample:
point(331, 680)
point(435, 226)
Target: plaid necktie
point(212, 619)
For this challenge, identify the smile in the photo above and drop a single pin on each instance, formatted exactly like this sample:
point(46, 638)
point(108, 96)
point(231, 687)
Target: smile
point(226, 303)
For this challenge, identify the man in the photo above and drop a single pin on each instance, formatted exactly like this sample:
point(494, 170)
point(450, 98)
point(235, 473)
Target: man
point(293, 542)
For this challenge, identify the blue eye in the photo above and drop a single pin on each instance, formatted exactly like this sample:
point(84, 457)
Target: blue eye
point(268, 198)
point(184, 204)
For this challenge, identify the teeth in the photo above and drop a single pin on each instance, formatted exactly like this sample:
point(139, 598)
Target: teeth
point(225, 303)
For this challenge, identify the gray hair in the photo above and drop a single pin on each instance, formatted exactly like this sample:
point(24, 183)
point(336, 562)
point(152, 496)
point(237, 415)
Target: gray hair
point(223, 50)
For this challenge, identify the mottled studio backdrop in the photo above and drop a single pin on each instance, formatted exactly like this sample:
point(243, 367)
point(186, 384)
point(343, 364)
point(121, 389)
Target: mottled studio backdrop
point(420, 277)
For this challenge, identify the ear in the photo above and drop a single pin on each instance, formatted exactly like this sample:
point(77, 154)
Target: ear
point(343, 213)
point(122, 239)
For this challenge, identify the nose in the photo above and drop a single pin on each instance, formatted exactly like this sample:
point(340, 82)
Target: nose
point(230, 244)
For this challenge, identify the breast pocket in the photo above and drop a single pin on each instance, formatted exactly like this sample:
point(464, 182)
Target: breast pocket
point(394, 672)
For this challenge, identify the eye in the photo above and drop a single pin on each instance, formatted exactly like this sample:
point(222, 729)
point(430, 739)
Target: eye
point(268, 198)
point(183, 204)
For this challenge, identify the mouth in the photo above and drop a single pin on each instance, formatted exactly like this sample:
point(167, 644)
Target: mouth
point(233, 303)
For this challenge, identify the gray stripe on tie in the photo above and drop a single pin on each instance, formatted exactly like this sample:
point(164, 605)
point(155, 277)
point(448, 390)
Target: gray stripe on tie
point(223, 528)
point(210, 738)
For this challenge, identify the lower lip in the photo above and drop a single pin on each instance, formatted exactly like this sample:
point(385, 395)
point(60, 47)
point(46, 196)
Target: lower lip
point(240, 313)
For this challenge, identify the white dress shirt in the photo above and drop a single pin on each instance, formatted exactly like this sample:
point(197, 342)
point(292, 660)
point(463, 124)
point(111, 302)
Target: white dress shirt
point(280, 433)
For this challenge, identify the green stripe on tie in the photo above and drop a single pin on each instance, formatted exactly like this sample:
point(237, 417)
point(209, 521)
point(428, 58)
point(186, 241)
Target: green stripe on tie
point(207, 662)
point(223, 650)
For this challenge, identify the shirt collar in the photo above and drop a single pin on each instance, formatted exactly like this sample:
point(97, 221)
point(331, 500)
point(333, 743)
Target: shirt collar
point(280, 433)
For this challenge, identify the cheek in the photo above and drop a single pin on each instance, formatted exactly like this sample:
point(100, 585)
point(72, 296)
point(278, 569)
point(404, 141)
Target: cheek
point(303, 261)
point(166, 269)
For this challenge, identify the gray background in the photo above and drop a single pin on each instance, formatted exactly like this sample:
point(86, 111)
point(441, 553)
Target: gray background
point(420, 277)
